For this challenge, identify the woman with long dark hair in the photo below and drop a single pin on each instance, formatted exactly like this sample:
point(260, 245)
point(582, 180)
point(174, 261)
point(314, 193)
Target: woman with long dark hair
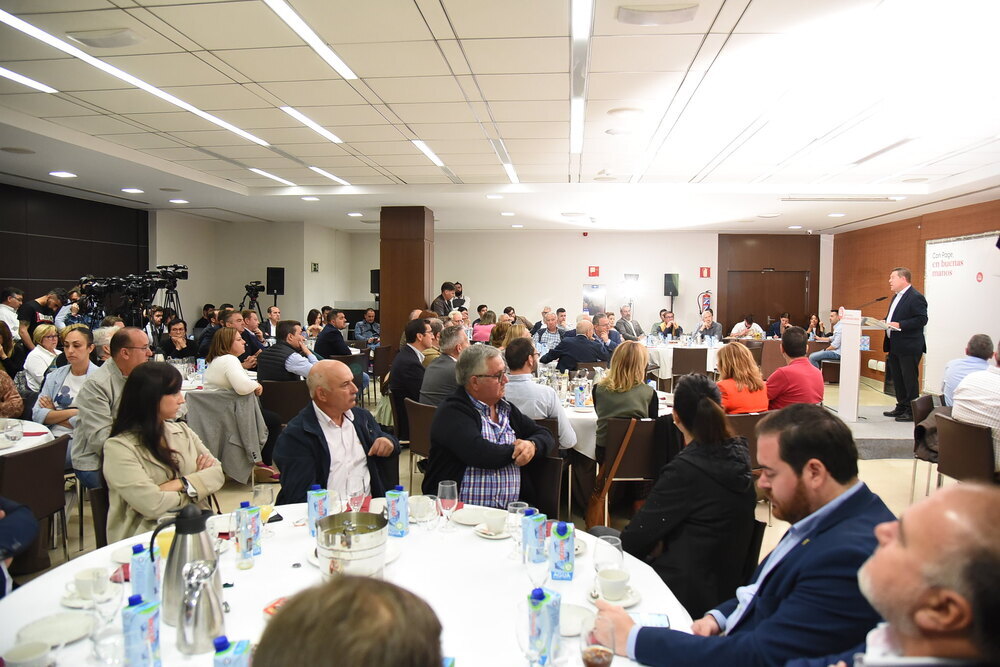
point(698, 520)
point(153, 465)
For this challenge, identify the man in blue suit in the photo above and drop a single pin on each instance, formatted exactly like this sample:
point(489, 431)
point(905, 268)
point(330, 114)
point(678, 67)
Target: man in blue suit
point(574, 349)
point(905, 343)
point(803, 600)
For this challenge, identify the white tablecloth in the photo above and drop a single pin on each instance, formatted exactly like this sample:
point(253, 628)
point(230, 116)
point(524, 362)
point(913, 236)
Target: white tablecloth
point(664, 357)
point(28, 441)
point(584, 424)
point(470, 582)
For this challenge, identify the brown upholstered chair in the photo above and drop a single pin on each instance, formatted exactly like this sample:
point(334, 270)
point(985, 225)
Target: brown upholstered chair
point(965, 451)
point(688, 360)
point(921, 407)
point(34, 478)
point(630, 455)
point(421, 416)
point(284, 398)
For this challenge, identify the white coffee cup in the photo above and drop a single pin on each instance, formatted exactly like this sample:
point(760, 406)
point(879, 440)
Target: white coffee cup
point(29, 654)
point(613, 583)
point(496, 520)
point(82, 585)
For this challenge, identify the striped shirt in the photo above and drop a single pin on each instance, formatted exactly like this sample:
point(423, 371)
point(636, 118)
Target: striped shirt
point(492, 487)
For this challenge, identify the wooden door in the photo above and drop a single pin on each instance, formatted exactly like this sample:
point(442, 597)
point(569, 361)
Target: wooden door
point(766, 294)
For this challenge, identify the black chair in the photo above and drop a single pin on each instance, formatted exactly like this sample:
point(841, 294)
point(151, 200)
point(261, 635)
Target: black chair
point(285, 398)
point(545, 473)
point(753, 554)
point(34, 477)
point(551, 424)
point(921, 407)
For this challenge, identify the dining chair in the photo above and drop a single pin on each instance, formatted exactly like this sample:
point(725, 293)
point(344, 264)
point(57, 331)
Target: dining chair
point(770, 358)
point(420, 416)
point(688, 360)
point(551, 424)
point(756, 348)
point(921, 407)
point(746, 426)
point(545, 473)
point(358, 363)
point(753, 553)
point(965, 451)
point(34, 478)
point(589, 366)
point(381, 363)
point(630, 455)
point(286, 398)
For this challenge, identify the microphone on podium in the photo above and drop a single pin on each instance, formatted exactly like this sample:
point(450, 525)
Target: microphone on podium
point(881, 298)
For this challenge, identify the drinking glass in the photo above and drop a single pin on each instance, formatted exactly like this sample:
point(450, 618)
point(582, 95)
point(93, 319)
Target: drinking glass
point(14, 430)
point(425, 511)
point(607, 553)
point(538, 573)
point(263, 497)
point(593, 652)
point(531, 648)
point(448, 499)
point(515, 512)
point(334, 503)
point(107, 596)
point(357, 489)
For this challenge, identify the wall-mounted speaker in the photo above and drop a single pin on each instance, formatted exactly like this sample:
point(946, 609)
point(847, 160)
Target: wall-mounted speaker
point(375, 281)
point(276, 280)
point(671, 282)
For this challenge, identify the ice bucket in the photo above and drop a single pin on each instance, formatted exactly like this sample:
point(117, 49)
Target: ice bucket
point(351, 543)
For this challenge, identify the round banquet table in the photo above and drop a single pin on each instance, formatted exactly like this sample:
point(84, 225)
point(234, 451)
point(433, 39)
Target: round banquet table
point(469, 581)
point(663, 356)
point(27, 441)
point(584, 423)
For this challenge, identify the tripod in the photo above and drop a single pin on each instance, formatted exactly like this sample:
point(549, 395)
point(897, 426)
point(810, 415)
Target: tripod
point(253, 305)
point(172, 301)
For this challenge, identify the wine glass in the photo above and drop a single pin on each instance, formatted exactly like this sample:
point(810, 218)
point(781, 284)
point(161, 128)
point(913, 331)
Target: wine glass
point(263, 497)
point(107, 595)
point(448, 499)
point(515, 512)
point(357, 490)
point(530, 643)
point(597, 641)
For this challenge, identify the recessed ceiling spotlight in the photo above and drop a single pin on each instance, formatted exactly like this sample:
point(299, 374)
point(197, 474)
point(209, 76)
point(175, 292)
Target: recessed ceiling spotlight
point(617, 131)
point(835, 215)
point(625, 112)
point(115, 38)
point(795, 226)
point(170, 189)
point(573, 214)
point(310, 199)
point(17, 151)
point(179, 201)
point(494, 196)
point(768, 215)
point(355, 214)
point(507, 214)
point(132, 191)
point(517, 226)
point(62, 174)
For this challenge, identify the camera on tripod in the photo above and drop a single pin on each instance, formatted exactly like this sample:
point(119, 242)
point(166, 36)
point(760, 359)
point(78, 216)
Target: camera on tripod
point(254, 288)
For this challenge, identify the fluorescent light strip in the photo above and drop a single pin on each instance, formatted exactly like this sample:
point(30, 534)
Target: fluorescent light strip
point(329, 175)
point(31, 83)
point(581, 14)
point(65, 47)
point(295, 22)
point(576, 108)
point(428, 152)
point(511, 174)
point(312, 125)
point(271, 176)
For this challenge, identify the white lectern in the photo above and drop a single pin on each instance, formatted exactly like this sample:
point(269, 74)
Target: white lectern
point(850, 363)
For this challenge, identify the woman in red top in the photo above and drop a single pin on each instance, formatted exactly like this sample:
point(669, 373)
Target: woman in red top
point(742, 388)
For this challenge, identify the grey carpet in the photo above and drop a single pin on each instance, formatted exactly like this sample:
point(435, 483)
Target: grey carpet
point(881, 437)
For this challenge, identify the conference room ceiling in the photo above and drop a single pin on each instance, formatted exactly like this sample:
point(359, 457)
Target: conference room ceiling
point(863, 110)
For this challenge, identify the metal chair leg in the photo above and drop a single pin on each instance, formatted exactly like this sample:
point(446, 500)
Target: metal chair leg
point(930, 469)
point(569, 492)
point(65, 540)
point(79, 502)
point(913, 480)
point(413, 465)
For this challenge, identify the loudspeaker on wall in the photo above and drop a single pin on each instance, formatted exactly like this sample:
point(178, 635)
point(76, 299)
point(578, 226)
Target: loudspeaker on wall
point(375, 281)
point(276, 280)
point(671, 282)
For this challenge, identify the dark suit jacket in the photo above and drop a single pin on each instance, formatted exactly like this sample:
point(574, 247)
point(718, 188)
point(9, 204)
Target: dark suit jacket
point(911, 313)
point(405, 378)
point(304, 456)
point(330, 342)
point(808, 606)
point(439, 381)
point(576, 348)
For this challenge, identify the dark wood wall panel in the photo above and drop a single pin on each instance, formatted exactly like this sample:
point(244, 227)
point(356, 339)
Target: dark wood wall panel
point(406, 265)
point(753, 252)
point(863, 259)
point(49, 240)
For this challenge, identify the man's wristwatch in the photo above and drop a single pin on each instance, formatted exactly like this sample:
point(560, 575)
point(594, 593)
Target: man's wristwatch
point(189, 488)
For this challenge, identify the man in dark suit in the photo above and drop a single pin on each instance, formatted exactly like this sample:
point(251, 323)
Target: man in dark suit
point(330, 341)
point(574, 349)
point(908, 314)
point(443, 304)
point(407, 372)
point(803, 600)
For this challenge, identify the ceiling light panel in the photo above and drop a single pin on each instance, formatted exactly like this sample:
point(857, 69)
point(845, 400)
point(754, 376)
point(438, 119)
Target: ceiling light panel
point(25, 81)
point(265, 174)
point(295, 22)
point(326, 174)
point(311, 124)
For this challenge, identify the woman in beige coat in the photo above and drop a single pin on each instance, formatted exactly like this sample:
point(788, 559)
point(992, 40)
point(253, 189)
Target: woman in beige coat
point(153, 466)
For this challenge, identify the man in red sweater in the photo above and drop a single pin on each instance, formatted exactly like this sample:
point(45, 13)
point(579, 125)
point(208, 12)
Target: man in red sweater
point(799, 381)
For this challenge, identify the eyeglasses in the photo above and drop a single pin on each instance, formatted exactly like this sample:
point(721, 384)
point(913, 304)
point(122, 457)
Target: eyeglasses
point(51, 336)
point(136, 347)
point(498, 377)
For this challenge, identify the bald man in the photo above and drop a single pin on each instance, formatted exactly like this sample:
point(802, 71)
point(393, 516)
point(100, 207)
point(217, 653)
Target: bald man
point(935, 579)
point(331, 439)
point(574, 349)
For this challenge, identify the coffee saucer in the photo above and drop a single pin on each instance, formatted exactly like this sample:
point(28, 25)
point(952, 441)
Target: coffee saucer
point(74, 601)
point(482, 531)
point(630, 599)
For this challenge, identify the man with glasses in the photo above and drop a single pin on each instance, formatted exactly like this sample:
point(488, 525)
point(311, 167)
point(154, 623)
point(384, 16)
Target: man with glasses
point(98, 402)
point(481, 440)
point(407, 372)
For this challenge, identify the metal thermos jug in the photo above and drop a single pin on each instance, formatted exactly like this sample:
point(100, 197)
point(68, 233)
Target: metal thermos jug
point(201, 610)
point(191, 544)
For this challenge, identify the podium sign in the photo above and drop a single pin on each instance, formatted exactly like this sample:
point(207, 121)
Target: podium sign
point(850, 364)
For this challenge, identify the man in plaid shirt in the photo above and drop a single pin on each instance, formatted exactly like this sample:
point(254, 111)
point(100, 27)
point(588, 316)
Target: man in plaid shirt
point(480, 440)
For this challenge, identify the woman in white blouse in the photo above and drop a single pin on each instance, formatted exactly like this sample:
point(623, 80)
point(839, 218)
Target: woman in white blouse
point(225, 371)
point(41, 357)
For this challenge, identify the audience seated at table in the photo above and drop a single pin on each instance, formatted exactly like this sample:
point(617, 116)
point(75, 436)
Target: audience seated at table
point(548, 334)
point(804, 600)
point(480, 440)
point(571, 350)
point(815, 327)
point(214, 325)
point(406, 375)
point(977, 401)
point(233, 319)
point(44, 354)
point(696, 526)
point(98, 402)
point(605, 334)
point(56, 404)
point(667, 326)
point(798, 381)
point(747, 328)
point(778, 327)
point(499, 333)
point(18, 530)
point(224, 372)
point(740, 383)
point(935, 584)
point(629, 329)
point(433, 350)
point(439, 378)
point(207, 311)
point(368, 330)
point(331, 439)
point(289, 358)
point(534, 400)
point(270, 325)
point(252, 335)
point(514, 332)
point(102, 344)
point(832, 351)
point(314, 323)
point(708, 326)
point(11, 403)
point(330, 341)
point(978, 352)
point(483, 327)
point(176, 344)
point(365, 622)
point(152, 465)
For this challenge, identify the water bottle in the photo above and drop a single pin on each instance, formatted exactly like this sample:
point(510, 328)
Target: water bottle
point(141, 629)
point(144, 573)
point(228, 654)
point(398, 511)
point(316, 499)
point(244, 537)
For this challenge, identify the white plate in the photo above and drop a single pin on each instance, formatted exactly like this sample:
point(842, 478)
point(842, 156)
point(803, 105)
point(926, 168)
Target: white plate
point(483, 532)
point(631, 598)
point(5, 443)
point(376, 505)
point(583, 409)
point(122, 555)
point(392, 552)
point(571, 616)
point(470, 515)
point(73, 602)
point(62, 628)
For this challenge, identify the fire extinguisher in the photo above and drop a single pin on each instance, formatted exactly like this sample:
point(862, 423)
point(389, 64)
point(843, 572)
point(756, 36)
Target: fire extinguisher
point(704, 301)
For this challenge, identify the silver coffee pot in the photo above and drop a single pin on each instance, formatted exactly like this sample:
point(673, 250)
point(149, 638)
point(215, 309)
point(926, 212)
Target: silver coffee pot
point(201, 610)
point(191, 544)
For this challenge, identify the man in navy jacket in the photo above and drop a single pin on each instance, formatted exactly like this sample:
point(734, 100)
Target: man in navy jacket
point(574, 349)
point(302, 452)
point(905, 345)
point(803, 600)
